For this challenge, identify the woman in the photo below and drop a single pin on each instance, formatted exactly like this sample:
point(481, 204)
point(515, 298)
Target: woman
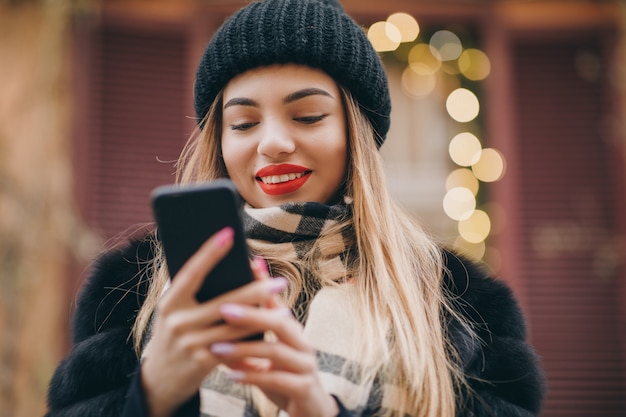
point(367, 316)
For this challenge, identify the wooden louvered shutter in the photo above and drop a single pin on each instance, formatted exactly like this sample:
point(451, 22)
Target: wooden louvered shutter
point(568, 223)
point(136, 123)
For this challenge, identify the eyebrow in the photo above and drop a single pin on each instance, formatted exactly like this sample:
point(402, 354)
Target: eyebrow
point(240, 101)
point(300, 94)
point(295, 96)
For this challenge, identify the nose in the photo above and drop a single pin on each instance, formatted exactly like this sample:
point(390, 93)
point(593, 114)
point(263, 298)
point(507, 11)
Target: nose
point(276, 140)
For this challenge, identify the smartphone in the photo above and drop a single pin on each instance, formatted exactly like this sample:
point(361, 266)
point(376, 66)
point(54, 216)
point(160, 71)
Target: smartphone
point(187, 216)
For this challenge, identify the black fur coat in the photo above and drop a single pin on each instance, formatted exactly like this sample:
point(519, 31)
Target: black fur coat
point(94, 379)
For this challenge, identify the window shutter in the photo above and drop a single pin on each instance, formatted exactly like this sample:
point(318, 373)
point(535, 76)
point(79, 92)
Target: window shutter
point(569, 225)
point(137, 123)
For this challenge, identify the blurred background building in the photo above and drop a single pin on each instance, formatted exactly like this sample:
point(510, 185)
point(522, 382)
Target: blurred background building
point(508, 141)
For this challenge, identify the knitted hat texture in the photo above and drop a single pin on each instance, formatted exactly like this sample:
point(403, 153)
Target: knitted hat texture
point(317, 33)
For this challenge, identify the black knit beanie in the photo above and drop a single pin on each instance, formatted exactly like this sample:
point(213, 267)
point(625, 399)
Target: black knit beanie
point(317, 33)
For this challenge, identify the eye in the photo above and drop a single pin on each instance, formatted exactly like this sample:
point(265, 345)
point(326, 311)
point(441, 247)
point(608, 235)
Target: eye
point(308, 120)
point(243, 126)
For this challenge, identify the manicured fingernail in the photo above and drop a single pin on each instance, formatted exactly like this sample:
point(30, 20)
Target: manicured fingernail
point(222, 348)
point(236, 375)
point(232, 311)
point(224, 236)
point(284, 311)
point(261, 263)
point(277, 284)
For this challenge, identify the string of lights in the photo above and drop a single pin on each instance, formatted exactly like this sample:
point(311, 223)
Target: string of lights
point(443, 55)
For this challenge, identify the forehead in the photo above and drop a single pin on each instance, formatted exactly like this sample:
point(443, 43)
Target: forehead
point(278, 80)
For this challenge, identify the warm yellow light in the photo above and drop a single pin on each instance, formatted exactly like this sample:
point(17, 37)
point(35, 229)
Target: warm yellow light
point(459, 203)
point(447, 44)
point(464, 149)
point(421, 56)
point(462, 105)
point(476, 227)
point(450, 67)
point(384, 36)
point(420, 83)
point(474, 250)
point(474, 64)
point(409, 29)
point(462, 177)
point(490, 165)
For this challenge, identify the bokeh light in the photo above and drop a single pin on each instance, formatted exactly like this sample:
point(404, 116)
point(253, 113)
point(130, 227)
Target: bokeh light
point(447, 44)
point(408, 26)
point(490, 166)
point(476, 227)
point(442, 65)
point(474, 64)
point(384, 36)
point(421, 57)
point(462, 177)
point(418, 81)
point(462, 105)
point(459, 203)
point(464, 149)
point(450, 67)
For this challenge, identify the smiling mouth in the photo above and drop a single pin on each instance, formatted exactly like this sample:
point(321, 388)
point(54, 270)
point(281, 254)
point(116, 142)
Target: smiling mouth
point(279, 179)
point(283, 183)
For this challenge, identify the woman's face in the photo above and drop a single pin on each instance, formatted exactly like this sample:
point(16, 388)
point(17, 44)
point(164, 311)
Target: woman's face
point(284, 135)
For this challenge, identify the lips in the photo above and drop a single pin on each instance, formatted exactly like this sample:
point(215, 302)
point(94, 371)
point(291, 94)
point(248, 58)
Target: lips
point(282, 179)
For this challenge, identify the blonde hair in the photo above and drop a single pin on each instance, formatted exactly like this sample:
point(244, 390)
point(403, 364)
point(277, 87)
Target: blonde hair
point(399, 302)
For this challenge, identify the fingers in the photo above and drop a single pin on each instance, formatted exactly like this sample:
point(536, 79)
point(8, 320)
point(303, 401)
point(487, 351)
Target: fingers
point(280, 321)
point(290, 353)
point(278, 356)
point(209, 313)
point(261, 272)
point(278, 381)
point(297, 394)
point(202, 339)
point(260, 269)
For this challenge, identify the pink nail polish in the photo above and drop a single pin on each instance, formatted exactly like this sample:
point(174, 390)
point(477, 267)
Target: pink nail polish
point(277, 284)
point(284, 311)
point(236, 375)
point(224, 236)
point(261, 263)
point(222, 348)
point(231, 311)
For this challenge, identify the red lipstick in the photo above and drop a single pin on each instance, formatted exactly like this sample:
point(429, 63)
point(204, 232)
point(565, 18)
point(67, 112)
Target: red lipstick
point(282, 179)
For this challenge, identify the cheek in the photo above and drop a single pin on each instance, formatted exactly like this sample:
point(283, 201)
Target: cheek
point(234, 170)
point(239, 164)
point(339, 147)
point(336, 159)
point(232, 158)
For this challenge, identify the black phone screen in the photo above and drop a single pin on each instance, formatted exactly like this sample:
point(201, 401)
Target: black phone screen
point(187, 216)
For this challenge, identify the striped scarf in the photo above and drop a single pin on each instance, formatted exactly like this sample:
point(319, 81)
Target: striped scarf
point(292, 230)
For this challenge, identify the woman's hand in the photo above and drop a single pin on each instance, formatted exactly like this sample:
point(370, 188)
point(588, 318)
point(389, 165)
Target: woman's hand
point(178, 356)
point(288, 374)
